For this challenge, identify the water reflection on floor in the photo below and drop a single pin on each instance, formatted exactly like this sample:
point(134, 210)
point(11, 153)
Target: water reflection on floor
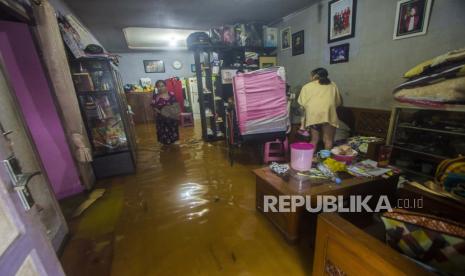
point(185, 212)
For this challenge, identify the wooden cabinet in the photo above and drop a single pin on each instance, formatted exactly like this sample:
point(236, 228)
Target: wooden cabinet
point(106, 115)
point(140, 106)
point(422, 137)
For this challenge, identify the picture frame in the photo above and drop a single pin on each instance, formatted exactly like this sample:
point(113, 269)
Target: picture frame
point(154, 66)
point(298, 43)
point(266, 62)
point(286, 38)
point(339, 53)
point(342, 16)
point(270, 37)
point(227, 75)
point(412, 18)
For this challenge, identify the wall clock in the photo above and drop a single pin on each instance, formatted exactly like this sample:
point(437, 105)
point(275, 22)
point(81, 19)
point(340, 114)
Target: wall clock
point(177, 64)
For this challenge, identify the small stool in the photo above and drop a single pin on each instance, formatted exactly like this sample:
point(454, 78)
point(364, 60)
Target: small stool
point(275, 151)
point(186, 119)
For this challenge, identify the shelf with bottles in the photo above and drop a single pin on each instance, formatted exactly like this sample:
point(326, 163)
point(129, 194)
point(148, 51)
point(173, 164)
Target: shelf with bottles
point(99, 107)
point(92, 76)
point(108, 136)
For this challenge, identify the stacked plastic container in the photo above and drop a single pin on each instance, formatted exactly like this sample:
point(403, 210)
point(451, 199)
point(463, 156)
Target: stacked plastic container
point(261, 104)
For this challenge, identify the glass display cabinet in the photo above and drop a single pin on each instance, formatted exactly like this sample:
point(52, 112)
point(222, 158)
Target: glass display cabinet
point(106, 116)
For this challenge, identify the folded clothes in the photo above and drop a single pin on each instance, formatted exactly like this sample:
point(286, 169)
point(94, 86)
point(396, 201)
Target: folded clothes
point(360, 143)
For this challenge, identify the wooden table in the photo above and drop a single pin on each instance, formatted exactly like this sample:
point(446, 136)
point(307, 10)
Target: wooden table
point(268, 183)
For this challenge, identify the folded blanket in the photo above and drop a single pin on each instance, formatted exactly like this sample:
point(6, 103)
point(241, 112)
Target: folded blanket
point(447, 91)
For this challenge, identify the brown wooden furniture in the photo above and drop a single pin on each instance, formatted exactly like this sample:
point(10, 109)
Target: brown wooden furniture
point(410, 153)
point(432, 204)
point(343, 249)
point(268, 183)
point(140, 105)
point(365, 121)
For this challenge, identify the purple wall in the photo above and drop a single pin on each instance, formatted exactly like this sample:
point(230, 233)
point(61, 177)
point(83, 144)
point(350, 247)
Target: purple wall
point(35, 97)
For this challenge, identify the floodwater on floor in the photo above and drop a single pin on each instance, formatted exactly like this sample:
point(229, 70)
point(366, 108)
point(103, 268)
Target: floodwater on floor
point(186, 211)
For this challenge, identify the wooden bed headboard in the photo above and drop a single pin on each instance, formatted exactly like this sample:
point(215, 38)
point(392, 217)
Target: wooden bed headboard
point(343, 249)
point(364, 121)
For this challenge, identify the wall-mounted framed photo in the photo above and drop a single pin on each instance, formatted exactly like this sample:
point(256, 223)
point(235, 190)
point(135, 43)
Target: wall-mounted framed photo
point(286, 38)
point(227, 75)
point(266, 62)
point(341, 19)
point(298, 43)
point(339, 54)
point(412, 18)
point(154, 66)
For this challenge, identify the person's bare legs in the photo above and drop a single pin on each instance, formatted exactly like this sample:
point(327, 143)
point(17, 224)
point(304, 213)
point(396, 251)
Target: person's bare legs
point(329, 132)
point(315, 137)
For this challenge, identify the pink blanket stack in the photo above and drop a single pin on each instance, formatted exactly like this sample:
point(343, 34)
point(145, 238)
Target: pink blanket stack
point(261, 104)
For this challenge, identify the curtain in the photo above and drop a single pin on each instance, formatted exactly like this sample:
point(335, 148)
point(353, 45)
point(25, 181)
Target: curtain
point(54, 56)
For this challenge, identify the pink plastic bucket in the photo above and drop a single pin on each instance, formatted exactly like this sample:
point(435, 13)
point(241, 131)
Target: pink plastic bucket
point(301, 156)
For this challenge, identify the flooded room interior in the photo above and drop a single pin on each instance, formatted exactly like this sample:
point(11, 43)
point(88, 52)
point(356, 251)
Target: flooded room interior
point(268, 137)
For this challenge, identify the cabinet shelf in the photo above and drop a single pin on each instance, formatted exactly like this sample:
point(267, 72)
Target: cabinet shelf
point(419, 140)
point(432, 130)
point(104, 113)
point(95, 93)
point(439, 157)
point(410, 171)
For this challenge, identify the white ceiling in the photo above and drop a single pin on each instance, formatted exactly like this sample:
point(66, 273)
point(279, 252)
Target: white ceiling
point(156, 38)
point(106, 19)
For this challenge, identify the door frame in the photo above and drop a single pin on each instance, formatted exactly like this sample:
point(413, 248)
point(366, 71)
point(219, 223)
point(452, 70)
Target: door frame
point(58, 241)
point(31, 247)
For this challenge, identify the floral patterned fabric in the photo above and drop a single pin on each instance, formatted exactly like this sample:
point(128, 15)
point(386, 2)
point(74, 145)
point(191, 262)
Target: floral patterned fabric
point(167, 129)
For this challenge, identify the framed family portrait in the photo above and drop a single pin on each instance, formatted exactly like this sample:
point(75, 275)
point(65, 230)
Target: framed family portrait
point(298, 43)
point(286, 38)
point(339, 53)
point(412, 17)
point(341, 19)
point(154, 66)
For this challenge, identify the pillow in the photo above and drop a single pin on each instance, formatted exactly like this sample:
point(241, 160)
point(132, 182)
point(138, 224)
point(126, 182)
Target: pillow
point(417, 70)
point(455, 55)
point(452, 56)
point(455, 165)
point(434, 241)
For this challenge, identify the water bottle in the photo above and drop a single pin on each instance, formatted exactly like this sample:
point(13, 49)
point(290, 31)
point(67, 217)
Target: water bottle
point(328, 173)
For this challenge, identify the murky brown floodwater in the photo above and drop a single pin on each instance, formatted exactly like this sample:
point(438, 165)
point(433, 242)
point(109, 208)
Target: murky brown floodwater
point(185, 212)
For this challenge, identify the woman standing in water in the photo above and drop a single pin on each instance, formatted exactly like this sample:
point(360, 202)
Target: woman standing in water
point(320, 98)
point(167, 128)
